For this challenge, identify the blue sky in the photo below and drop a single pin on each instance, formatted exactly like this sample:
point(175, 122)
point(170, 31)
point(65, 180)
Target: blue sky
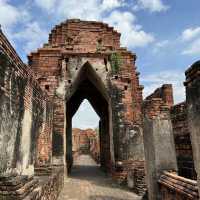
point(165, 34)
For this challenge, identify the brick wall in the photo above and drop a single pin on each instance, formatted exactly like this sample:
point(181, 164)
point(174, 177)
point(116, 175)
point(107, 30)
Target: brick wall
point(182, 141)
point(180, 130)
point(86, 141)
point(71, 31)
point(25, 114)
point(126, 94)
point(45, 187)
point(132, 174)
point(49, 186)
point(158, 138)
point(176, 187)
point(165, 92)
point(81, 141)
point(59, 63)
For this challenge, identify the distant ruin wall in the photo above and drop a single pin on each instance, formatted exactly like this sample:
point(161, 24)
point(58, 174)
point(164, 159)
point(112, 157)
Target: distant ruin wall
point(86, 141)
point(165, 92)
point(25, 115)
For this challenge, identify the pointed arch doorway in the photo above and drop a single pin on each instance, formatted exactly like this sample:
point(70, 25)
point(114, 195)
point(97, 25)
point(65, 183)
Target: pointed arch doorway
point(88, 85)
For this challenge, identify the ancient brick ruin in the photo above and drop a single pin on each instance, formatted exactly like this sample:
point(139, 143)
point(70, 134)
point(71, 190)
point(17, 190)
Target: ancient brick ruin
point(143, 143)
point(182, 141)
point(85, 142)
point(72, 67)
point(25, 131)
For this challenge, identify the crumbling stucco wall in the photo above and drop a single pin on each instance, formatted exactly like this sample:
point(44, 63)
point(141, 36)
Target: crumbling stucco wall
point(158, 141)
point(192, 99)
point(24, 113)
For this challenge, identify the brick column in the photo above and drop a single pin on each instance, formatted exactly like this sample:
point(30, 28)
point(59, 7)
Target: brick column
point(193, 106)
point(158, 143)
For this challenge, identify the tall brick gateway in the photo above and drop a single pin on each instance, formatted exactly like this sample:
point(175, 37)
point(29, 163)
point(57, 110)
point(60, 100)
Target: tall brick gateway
point(84, 60)
point(141, 140)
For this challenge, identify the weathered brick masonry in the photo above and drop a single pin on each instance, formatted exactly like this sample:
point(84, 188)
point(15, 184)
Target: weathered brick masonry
point(81, 60)
point(182, 140)
point(181, 131)
point(26, 116)
point(158, 138)
point(192, 84)
point(86, 142)
point(176, 187)
point(165, 93)
point(172, 184)
point(81, 55)
point(84, 60)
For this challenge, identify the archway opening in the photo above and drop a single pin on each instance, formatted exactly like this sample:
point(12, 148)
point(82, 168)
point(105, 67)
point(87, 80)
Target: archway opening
point(88, 85)
point(85, 135)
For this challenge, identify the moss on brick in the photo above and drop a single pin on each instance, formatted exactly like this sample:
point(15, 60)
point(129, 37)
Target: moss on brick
point(4, 65)
point(115, 61)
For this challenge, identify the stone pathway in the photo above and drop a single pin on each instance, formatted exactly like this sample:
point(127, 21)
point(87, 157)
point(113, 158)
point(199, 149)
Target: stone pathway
point(87, 182)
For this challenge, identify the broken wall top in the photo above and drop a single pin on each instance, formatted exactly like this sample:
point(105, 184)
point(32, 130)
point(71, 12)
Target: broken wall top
point(88, 35)
point(77, 37)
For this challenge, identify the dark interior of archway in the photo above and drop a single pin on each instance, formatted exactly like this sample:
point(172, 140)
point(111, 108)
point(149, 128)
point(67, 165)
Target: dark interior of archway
point(87, 86)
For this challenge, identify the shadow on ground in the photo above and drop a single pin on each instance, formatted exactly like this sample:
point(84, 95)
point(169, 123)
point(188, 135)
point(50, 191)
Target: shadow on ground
point(87, 182)
point(89, 173)
point(100, 197)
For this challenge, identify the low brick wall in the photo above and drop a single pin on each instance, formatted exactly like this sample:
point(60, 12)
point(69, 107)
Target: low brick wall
point(16, 187)
point(49, 186)
point(132, 174)
point(136, 174)
point(174, 187)
point(46, 185)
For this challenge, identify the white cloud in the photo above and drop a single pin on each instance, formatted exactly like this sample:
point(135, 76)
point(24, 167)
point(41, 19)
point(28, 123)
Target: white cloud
point(46, 4)
point(193, 48)
point(192, 38)
point(176, 78)
point(80, 7)
point(9, 15)
point(83, 9)
point(152, 5)
point(190, 33)
point(160, 45)
point(132, 33)
point(111, 4)
point(125, 22)
point(32, 36)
